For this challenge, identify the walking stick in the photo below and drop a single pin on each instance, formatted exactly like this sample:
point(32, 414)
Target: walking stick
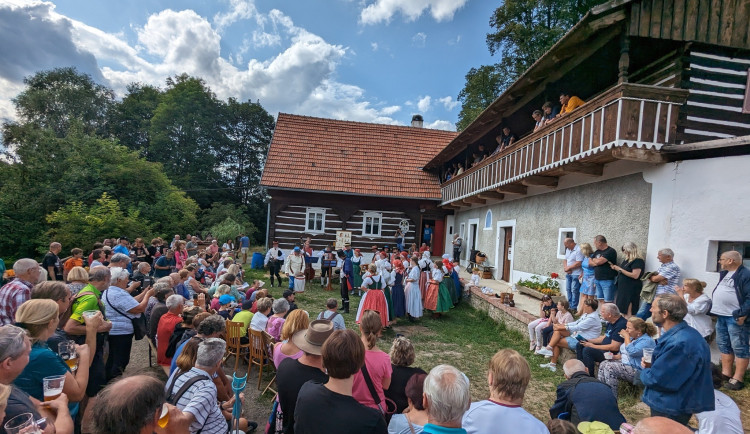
point(238, 385)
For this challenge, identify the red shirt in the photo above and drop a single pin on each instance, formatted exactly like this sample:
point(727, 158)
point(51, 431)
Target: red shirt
point(164, 331)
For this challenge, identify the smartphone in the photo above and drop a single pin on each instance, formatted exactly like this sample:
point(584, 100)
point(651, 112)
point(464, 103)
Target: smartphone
point(580, 338)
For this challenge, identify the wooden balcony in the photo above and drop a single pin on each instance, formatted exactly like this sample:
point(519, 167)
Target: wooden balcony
point(627, 121)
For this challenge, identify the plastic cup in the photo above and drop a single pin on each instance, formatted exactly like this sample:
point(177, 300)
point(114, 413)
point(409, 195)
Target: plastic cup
point(88, 314)
point(24, 423)
point(53, 387)
point(648, 354)
point(608, 355)
point(164, 418)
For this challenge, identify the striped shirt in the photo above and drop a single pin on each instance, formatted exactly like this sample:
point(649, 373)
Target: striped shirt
point(12, 296)
point(200, 401)
point(671, 272)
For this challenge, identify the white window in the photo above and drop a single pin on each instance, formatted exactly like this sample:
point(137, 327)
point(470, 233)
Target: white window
point(371, 224)
point(562, 235)
point(488, 221)
point(315, 220)
point(724, 246)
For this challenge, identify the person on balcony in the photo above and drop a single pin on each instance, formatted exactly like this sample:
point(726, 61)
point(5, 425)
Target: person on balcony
point(539, 120)
point(460, 169)
point(505, 140)
point(569, 103)
point(550, 112)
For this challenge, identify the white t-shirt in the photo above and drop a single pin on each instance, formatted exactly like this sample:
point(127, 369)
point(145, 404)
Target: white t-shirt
point(487, 416)
point(724, 300)
point(475, 280)
point(573, 256)
point(724, 420)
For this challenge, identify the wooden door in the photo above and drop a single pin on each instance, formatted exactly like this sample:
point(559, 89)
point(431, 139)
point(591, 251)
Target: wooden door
point(507, 251)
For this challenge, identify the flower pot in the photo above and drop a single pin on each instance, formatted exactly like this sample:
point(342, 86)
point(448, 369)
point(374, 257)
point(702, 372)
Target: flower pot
point(538, 295)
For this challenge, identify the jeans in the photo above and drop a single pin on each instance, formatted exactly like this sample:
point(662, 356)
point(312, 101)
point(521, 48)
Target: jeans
point(589, 357)
point(682, 419)
point(573, 286)
point(732, 338)
point(644, 312)
point(605, 289)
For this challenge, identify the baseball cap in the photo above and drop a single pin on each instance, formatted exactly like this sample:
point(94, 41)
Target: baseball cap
point(225, 299)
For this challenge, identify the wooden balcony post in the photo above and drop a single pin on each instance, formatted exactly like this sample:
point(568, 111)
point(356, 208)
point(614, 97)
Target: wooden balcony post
point(624, 63)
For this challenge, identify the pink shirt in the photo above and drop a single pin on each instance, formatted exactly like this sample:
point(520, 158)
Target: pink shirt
point(274, 325)
point(379, 367)
point(278, 356)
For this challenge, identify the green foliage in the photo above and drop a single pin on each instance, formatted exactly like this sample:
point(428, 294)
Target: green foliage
point(76, 224)
point(524, 31)
point(549, 286)
point(130, 119)
point(228, 229)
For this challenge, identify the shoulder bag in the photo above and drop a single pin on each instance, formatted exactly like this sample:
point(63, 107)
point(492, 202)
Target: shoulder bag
point(386, 412)
point(140, 329)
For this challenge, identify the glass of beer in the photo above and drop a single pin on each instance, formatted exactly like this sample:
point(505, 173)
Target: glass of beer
point(24, 423)
point(67, 352)
point(88, 314)
point(648, 354)
point(164, 418)
point(53, 387)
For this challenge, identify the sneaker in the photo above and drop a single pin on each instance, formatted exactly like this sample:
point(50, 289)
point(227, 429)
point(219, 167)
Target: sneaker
point(545, 352)
point(251, 426)
point(532, 346)
point(733, 384)
point(551, 366)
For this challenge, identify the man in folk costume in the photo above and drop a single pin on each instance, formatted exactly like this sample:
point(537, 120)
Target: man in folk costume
point(294, 265)
point(347, 279)
point(274, 261)
point(326, 267)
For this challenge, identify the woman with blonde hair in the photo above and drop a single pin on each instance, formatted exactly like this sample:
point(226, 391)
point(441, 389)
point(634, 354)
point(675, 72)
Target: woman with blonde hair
point(40, 318)
point(373, 299)
point(588, 288)
point(698, 305)
point(285, 349)
point(78, 278)
point(221, 290)
point(4, 394)
point(626, 365)
point(377, 362)
point(628, 295)
point(402, 356)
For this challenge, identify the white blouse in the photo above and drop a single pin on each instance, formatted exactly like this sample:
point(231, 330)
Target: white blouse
point(697, 316)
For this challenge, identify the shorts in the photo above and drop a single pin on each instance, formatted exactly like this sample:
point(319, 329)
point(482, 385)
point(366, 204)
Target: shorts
point(572, 342)
point(244, 250)
point(605, 289)
point(732, 338)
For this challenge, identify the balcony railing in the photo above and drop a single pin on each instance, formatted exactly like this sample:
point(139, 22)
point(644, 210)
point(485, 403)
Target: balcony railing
point(626, 115)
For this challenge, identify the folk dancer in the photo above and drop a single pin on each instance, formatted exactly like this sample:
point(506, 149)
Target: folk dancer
point(373, 298)
point(274, 261)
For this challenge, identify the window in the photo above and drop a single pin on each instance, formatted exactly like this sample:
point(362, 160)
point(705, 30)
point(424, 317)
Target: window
point(488, 221)
point(724, 246)
point(371, 223)
point(315, 220)
point(562, 235)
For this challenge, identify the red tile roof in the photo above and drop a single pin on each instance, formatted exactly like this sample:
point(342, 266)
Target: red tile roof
point(317, 154)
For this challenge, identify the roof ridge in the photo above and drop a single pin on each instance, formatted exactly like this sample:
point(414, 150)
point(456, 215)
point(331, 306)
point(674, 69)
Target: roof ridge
point(410, 128)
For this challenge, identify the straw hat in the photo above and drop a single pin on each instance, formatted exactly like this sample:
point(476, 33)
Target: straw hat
point(311, 340)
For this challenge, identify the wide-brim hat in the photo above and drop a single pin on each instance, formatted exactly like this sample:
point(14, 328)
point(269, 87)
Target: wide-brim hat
point(311, 340)
point(594, 428)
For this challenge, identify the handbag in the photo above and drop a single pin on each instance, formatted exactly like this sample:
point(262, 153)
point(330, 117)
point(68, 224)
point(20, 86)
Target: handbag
point(387, 412)
point(139, 323)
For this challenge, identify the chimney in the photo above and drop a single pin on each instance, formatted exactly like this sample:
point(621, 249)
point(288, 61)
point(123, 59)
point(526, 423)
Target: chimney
point(417, 121)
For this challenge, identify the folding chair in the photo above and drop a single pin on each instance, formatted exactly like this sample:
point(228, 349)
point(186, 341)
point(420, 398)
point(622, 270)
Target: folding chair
point(269, 342)
point(234, 345)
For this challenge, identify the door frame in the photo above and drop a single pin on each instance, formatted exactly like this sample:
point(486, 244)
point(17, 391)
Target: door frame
point(500, 244)
point(469, 240)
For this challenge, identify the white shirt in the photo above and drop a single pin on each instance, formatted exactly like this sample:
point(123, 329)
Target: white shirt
point(573, 256)
point(697, 316)
point(117, 297)
point(474, 280)
point(437, 275)
point(489, 417)
point(725, 297)
point(259, 321)
point(414, 274)
point(275, 253)
point(724, 420)
point(589, 325)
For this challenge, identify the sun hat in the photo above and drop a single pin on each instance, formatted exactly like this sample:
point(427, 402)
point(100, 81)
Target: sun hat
point(311, 340)
point(594, 428)
point(225, 299)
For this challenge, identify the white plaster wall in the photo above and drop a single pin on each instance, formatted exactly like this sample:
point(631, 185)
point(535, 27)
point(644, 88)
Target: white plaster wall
point(694, 204)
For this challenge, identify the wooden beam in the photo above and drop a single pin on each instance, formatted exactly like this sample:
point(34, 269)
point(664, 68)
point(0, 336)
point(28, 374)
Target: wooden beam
point(583, 169)
point(547, 181)
point(512, 188)
point(491, 195)
point(474, 199)
point(640, 155)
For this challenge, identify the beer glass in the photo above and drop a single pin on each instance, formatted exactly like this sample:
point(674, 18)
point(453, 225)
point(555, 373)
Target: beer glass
point(67, 352)
point(53, 387)
point(24, 423)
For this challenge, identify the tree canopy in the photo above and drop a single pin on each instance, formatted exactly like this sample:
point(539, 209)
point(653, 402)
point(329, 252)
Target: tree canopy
point(523, 31)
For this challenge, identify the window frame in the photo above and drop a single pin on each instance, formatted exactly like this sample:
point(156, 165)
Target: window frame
point(488, 215)
point(719, 250)
point(372, 215)
point(314, 212)
point(561, 235)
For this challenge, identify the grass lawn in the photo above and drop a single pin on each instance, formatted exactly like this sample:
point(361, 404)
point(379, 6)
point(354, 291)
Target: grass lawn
point(467, 339)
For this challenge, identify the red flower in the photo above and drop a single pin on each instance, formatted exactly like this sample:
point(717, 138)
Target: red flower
point(554, 275)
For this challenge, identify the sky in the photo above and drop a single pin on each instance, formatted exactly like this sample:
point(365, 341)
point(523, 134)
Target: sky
point(363, 60)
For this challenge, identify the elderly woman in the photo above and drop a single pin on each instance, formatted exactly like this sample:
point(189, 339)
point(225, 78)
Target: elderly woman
point(167, 323)
point(121, 308)
point(78, 278)
point(414, 418)
point(698, 305)
point(626, 365)
point(40, 318)
point(402, 357)
point(276, 321)
point(296, 321)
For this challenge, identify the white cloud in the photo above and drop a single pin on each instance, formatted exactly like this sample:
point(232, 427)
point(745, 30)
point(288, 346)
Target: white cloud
point(419, 40)
point(299, 79)
point(448, 102)
point(384, 10)
point(374, 46)
point(441, 125)
point(424, 103)
point(455, 41)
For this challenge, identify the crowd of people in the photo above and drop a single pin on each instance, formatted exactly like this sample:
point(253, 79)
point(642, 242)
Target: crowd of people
point(66, 335)
point(547, 115)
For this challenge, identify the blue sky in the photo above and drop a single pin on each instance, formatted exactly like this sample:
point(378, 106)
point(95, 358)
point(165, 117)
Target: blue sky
point(369, 60)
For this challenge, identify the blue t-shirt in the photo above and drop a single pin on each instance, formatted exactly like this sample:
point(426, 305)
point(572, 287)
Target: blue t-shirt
point(427, 234)
point(163, 262)
point(42, 363)
point(244, 242)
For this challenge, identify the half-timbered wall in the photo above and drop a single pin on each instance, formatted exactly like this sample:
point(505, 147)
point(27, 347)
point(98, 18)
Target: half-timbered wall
point(717, 80)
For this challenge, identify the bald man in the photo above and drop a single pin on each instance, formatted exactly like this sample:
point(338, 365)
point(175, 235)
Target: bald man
point(52, 264)
point(731, 305)
point(660, 425)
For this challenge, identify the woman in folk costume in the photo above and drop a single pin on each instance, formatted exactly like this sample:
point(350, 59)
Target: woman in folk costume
point(425, 263)
point(457, 280)
point(448, 278)
point(397, 289)
point(437, 298)
point(385, 271)
point(373, 298)
point(357, 265)
point(412, 292)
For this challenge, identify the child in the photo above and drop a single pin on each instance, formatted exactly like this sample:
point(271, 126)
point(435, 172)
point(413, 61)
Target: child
point(474, 281)
point(226, 306)
point(536, 326)
point(561, 315)
point(75, 261)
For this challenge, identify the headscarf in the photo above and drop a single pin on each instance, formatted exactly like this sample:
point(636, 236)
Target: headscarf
point(448, 265)
point(398, 265)
point(426, 254)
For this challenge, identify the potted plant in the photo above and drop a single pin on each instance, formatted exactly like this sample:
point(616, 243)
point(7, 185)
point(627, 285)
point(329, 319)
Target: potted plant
point(537, 288)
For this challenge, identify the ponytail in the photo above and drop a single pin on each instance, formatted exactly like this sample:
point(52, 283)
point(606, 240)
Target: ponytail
point(370, 326)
